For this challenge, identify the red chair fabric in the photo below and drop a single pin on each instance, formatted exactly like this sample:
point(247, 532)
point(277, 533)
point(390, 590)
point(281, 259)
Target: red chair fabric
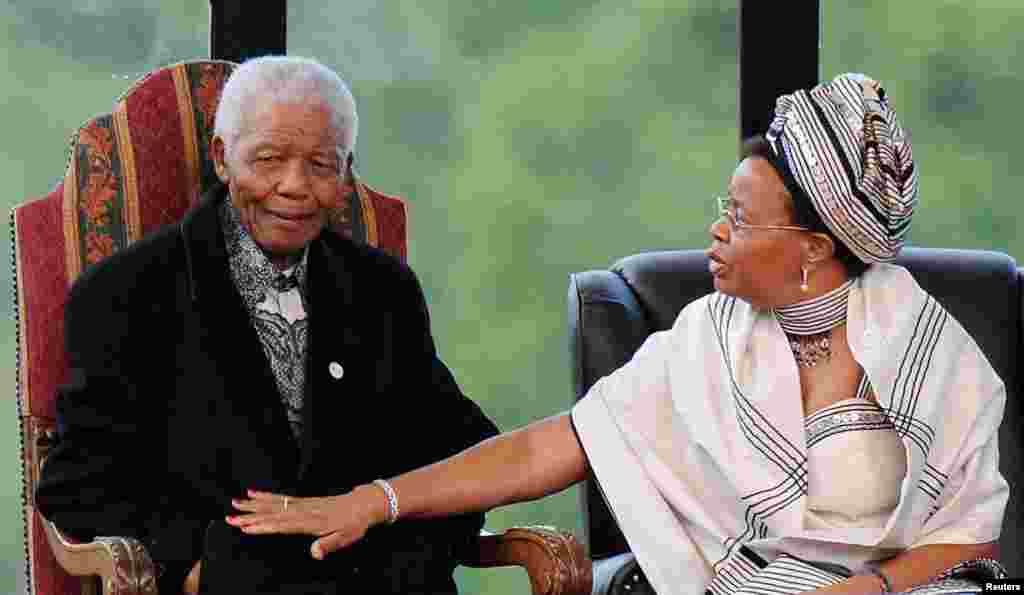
point(129, 172)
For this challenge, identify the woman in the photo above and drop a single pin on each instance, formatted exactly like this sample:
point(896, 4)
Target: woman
point(881, 476)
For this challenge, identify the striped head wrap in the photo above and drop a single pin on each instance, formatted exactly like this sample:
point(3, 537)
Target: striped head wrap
point(841, 145)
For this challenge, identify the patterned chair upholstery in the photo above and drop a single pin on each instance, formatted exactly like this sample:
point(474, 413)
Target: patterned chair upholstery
point(128, 173)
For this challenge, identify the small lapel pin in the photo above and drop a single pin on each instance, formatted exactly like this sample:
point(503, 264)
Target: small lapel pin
point(336, 370)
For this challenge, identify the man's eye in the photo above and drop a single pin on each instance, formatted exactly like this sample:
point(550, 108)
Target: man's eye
point(325, 167)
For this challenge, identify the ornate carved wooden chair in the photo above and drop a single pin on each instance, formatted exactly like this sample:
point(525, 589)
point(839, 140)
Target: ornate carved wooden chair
point(128, 173)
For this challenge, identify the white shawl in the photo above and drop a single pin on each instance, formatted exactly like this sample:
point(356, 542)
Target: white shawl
point(698, 442)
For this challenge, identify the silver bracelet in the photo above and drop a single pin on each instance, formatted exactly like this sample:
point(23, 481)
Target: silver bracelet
point(392, 499)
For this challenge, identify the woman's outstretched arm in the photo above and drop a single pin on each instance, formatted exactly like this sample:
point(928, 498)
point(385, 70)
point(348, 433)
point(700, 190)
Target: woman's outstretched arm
point(540, 459)
point(526, 464)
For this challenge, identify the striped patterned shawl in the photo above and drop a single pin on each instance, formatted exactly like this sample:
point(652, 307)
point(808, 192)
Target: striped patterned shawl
point(698, 442)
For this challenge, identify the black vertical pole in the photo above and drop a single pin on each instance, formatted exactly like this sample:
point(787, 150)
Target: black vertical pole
point(778, 54)
point(240, 30)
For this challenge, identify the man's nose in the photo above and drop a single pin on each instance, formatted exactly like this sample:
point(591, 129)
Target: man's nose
point(294, 179)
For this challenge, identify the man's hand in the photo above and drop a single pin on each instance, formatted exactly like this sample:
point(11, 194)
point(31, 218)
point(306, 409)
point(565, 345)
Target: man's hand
point(192, 580)
point(339, 521)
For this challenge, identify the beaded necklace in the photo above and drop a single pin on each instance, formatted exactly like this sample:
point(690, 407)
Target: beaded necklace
point(808, 325)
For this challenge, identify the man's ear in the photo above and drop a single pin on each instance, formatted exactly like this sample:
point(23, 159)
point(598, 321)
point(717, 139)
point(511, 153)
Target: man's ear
point(818, 248)
point(348, 177)
point(217, 151)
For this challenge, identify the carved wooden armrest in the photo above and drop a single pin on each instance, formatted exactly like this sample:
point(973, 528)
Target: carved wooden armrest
point(122, 563)
point(554, 559)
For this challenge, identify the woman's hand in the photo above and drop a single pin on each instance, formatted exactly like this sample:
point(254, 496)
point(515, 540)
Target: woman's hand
point(338, 520)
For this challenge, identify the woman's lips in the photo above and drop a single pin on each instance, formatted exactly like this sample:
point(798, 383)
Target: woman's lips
point(715, 264)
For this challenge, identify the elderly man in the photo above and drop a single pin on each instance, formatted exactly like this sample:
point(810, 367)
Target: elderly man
point(249, 350)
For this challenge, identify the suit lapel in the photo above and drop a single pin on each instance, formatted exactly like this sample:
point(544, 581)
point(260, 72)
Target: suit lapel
point(333, 349)
point(235, 354)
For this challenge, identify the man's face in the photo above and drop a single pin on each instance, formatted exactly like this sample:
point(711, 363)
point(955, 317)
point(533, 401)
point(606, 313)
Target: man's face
point(284, 171)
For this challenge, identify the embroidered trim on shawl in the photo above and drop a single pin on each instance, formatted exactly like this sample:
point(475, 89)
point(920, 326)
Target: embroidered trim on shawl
point(749, 574)
point(817, 315)
point(913, 370)
point(764, 437)
point(788, 575)
point(845, 417)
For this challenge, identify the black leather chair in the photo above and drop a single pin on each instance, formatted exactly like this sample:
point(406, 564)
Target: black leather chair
point(611, 312)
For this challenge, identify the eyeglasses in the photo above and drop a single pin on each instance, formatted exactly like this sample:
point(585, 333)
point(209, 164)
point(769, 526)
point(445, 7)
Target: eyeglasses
point(727, 208)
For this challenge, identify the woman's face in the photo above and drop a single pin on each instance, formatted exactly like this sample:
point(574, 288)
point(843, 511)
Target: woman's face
point(760, 266)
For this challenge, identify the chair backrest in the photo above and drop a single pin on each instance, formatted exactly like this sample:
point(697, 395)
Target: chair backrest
point(611, 312)
point(128, 173)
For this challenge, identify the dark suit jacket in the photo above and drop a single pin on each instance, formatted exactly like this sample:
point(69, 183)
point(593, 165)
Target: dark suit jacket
point(171, 409)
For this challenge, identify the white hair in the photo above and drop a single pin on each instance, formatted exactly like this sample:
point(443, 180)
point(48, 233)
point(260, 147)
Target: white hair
point(286, 79)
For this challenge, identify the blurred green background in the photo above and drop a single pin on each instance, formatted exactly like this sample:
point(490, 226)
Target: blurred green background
point(533, 139)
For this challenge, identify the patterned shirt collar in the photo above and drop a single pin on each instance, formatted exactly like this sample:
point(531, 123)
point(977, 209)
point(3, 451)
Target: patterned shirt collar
point(251, 270)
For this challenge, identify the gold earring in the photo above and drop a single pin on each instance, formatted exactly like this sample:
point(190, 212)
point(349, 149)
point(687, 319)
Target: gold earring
point(803, 284)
